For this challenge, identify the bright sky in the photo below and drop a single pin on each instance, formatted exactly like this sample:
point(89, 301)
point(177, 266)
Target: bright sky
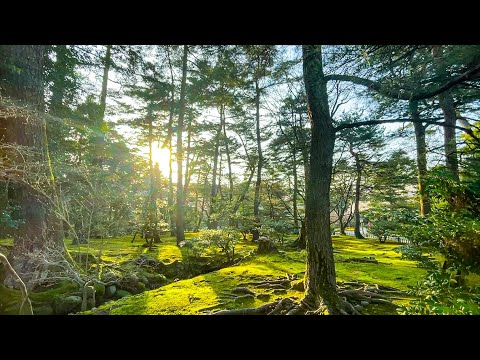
point(162, 155)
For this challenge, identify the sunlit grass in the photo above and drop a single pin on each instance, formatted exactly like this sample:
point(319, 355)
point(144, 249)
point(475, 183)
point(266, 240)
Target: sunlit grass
point(208, 292)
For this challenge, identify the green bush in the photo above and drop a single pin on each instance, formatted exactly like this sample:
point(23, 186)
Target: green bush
point(451, 231)
point(223, 240)
point(436, 296)
point(275, 230)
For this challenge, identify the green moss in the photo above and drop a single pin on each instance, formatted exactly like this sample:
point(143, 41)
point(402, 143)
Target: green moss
point(6, 242)
point(209, 292)
point(10, 299)
point(50, 295)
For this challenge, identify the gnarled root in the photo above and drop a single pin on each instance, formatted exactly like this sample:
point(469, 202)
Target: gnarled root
point(340, 304)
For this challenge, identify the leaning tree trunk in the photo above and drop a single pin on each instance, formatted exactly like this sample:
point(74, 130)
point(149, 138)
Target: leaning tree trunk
point(448, 108)
point(421, 158)
point(256, 202)
point(39, 228)
point(180, 221)
point(320, 278)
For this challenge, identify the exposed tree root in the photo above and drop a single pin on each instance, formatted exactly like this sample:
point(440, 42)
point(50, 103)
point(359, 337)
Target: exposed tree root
point(349, 293)
point(361, 293)
point(261, 310)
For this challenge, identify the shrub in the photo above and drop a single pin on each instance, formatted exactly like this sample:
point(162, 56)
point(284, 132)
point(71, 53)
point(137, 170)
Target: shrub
point(436, 296)
point(275, 230)
point(224, 240)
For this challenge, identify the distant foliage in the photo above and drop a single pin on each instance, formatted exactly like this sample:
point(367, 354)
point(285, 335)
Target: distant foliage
point(224, 241)
point(276, 230)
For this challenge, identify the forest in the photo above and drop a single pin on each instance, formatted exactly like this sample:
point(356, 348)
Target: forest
point(239, 179)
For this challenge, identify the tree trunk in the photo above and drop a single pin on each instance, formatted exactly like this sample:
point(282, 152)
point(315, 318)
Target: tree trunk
point(245, 191)
point(187, 157)
point(168, 142)
point(40, 228)
point(295, 189)
point(343, 225)
point(229, 161)
point(301, 242)
point(99, 138)
point(421, 158)
point(205, 190)
point(152, 219)
point(196, 200)
point(448, 108)
point(213, 223)
point(256, 202)
point(58, 89)
point(320, 277)
point(103, 94)
point(270, 202)
point(305, 150)
point(180, 222)
point(170, 196)
point(358, 181)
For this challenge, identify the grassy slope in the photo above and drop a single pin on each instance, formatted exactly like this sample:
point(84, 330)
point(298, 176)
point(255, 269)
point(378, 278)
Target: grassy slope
point(208, 292)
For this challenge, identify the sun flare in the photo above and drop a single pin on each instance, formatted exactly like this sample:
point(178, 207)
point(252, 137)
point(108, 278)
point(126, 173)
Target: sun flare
point(162, 156)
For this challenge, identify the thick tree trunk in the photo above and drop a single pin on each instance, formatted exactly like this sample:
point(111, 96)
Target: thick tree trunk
point(421, 158)
point(213, 223)
point(39, 228)
point(448, 108)
point(256, 202)
point(320, 278)
point(180, 221)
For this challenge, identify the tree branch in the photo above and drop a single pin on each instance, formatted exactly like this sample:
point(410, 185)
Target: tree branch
point(431, 121)
point(403, 94)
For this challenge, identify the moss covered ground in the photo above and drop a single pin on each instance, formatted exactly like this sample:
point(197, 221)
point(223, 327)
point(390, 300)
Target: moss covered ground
point(211, 292)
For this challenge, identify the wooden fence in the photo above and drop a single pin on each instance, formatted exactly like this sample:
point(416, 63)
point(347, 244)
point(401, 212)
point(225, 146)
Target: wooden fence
point(399, 239)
